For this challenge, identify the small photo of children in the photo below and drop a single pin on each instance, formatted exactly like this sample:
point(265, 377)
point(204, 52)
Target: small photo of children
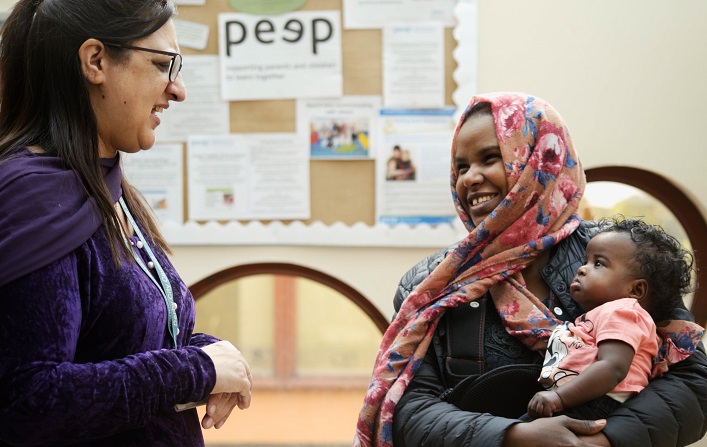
point(337, 138)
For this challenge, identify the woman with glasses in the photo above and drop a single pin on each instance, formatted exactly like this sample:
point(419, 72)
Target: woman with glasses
point(96, 327)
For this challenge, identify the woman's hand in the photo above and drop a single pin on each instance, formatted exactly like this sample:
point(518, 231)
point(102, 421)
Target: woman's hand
point(555, 431)
point(599, 439)
point(233, 383)
point(218, 409)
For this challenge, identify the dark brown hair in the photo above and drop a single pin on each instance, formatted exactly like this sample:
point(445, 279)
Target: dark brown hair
point(44, 95)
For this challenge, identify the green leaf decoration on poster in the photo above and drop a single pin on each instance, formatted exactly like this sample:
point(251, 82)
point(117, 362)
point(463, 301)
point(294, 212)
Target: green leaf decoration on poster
point(266, 7)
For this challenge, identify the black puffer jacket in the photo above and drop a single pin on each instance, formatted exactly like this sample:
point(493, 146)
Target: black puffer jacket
point(670, 411)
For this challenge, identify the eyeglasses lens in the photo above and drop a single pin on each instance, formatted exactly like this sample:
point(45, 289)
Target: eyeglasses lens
point(175, 68)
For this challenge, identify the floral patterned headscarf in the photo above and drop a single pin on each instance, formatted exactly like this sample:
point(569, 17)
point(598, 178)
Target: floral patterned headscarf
point(545, 184)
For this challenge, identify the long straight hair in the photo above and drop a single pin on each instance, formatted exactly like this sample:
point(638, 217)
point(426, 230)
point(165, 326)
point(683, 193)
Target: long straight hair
point(45, 98)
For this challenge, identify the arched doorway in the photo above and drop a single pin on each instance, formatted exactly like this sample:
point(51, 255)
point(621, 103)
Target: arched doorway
point(275, 268)
point(310, 340)
point(684, 210)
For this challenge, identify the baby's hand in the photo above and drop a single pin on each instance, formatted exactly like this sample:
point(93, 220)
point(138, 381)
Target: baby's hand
point(544, 404)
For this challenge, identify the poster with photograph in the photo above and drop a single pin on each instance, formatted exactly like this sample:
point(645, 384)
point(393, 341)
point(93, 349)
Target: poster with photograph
point(339, 128)
point(158, 175)
point(248, 176)
point(412, 168)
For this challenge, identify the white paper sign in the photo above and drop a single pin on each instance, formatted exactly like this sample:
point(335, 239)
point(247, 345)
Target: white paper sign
point(294, 55)
point(359, 14)
point(191, 34)
point(158, 174)
point(339, 128)
point(412, 169)
point(413, 65)
point(203, 112)
point(248, 176)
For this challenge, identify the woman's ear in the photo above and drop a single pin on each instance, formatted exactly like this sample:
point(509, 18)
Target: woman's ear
point(92, 54)
point(639, 289)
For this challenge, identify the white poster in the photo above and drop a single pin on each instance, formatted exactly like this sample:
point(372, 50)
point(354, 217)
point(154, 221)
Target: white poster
point(339, 128)
point(203, 112)
point(412, 167)
point(362, 14)
point(293, 55)
point(158, 174)
point(248, 176)
point(413, 65)
point(191, 34)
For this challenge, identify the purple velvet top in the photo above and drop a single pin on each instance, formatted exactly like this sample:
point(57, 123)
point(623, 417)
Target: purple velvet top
point(44, 211)
point(85, 357)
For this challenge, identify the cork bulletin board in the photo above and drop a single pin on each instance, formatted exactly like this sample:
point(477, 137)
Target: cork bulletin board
point(341, 190)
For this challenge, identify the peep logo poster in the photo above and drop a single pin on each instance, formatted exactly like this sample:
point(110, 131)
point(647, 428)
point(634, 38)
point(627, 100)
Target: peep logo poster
point(287, 56)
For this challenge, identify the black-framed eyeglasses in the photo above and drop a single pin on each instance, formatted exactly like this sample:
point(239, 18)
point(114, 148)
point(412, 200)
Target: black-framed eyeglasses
point(175, 65)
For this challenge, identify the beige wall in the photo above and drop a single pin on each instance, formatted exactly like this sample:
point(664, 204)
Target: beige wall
point(628, 76)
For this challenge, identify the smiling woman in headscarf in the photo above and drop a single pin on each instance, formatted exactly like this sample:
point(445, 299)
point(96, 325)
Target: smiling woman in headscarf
point(492, 299)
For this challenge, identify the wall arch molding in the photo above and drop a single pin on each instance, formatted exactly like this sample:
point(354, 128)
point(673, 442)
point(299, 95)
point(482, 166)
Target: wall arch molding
point(203, 286)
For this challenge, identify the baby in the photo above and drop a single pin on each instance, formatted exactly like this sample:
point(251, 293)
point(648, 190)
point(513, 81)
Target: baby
point(633, 277)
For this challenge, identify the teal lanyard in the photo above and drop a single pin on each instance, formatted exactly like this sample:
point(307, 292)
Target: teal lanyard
point(164, 286)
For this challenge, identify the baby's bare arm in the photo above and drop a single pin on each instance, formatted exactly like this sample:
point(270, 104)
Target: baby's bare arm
point(599, 378)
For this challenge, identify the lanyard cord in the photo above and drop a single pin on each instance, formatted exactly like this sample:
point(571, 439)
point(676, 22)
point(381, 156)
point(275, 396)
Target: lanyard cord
point(164, 286)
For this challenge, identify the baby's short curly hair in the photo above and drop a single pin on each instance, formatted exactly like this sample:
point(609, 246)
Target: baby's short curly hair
point(661, 260)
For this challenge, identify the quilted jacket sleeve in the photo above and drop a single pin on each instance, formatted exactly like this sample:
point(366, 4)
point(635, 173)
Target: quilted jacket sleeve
point(415, 275)
point(670, 411)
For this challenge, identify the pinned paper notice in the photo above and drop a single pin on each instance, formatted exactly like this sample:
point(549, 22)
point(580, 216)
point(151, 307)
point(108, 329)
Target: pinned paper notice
point(191, 34)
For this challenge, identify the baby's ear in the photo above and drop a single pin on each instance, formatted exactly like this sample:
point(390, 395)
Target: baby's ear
point(639, 289)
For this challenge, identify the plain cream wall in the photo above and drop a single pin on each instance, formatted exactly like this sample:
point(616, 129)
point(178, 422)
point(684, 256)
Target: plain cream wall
point(628, 76)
